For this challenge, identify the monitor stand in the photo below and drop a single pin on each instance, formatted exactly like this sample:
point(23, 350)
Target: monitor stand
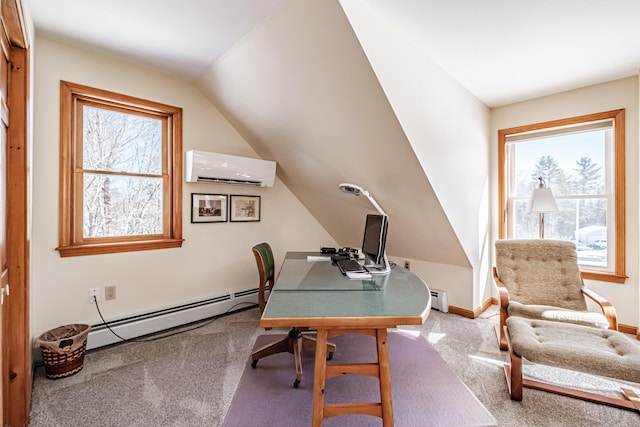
point(383, 268)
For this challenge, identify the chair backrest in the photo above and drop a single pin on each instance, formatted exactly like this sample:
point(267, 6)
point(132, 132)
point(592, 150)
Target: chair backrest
point(264, 260)
point(540, 272)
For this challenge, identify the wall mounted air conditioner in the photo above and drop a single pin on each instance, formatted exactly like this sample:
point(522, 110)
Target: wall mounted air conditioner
point(203, 166)
point(439, 301)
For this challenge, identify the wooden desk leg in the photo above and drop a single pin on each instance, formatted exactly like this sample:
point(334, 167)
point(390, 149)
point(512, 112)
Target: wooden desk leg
point(385, 377)
point(319, 378)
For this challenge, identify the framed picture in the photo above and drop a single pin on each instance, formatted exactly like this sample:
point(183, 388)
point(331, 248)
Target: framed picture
point(209, 207)
point(245, 208)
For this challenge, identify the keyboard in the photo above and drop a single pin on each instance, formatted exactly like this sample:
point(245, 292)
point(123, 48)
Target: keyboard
point(350, 266)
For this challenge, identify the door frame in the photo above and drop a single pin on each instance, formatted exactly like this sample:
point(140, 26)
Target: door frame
point(16, 413)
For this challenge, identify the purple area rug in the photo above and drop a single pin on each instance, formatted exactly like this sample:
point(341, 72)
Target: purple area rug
point(425, 391)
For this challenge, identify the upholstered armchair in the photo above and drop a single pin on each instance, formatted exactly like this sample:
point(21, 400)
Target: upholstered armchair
point(540, 279)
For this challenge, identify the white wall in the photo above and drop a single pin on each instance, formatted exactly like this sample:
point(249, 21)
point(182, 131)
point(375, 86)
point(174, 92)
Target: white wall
point(593, 99)
point(215, 257)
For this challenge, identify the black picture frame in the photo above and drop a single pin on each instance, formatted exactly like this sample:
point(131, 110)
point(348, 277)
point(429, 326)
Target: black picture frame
point(244, 208)
point(209, 208)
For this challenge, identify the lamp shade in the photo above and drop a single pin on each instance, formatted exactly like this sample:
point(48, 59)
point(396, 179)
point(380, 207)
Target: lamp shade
point(356, 190)
point(542, 201)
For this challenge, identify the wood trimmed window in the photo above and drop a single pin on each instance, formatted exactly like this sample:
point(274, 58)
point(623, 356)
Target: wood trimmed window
point(589, 189)
point(120, 173)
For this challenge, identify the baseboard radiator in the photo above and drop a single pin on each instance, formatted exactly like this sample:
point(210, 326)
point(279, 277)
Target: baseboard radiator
point(439, 301)
point(160, 320)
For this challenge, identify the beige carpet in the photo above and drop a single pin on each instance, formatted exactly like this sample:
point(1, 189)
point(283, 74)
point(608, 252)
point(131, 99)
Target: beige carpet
point(190, 379)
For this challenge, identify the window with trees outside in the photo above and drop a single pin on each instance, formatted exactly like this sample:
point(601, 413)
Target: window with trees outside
point(120, 173)
point(581, 159)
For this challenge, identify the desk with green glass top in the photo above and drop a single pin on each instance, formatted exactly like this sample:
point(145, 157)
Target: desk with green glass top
point(316, 295)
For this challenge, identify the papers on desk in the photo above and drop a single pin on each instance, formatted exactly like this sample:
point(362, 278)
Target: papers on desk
point(358, 275)
point(318, 258)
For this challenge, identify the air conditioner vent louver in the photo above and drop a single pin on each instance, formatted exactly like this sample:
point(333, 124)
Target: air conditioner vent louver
point(227, 181)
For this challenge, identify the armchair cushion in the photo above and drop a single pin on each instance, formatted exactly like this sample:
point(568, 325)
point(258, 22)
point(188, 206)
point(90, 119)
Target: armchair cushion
point(264, 260)
point(542, 272)
point(267, 258)
point(595, 351)
point(557, 314)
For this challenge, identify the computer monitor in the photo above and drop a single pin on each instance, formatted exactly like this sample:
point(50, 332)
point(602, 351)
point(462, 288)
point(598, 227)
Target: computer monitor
point(373, 243)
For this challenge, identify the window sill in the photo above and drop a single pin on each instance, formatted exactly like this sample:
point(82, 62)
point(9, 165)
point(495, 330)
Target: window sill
point(108, 248)
point(603, 277)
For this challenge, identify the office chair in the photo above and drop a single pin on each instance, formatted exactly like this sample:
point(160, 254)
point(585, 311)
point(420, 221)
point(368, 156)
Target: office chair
point(295, 342)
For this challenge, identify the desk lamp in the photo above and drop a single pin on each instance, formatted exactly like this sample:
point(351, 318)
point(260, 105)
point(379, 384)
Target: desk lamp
point(356, 190)
point(541, 202)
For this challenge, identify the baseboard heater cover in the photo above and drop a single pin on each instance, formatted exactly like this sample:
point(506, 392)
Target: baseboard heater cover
point(439, 301)
point(171, 317)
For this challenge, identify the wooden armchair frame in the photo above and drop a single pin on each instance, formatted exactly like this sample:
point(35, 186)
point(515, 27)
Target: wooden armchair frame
point(516, 382)
point(606, 307)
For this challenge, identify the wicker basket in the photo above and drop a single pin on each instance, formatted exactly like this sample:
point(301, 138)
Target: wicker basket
point(63, 349)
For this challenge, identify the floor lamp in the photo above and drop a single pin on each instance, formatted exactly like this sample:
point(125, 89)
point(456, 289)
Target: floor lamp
point(541, 202)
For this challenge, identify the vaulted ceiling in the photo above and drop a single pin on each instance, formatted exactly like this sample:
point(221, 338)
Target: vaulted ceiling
point(502, 51)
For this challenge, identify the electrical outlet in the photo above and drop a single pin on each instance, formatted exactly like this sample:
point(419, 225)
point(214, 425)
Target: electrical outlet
point(109, 292)
point(94, 292)
point(407, 265)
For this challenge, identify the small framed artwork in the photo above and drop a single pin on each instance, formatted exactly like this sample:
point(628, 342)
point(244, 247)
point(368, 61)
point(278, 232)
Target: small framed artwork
point(209, 207)
point(245, 208)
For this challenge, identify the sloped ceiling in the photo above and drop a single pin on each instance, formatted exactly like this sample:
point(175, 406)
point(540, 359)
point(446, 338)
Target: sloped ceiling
point(502, 51)
point(300, 90)
point(180, 37)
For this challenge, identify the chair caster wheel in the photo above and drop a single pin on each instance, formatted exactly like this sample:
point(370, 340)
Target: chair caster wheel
point(254, 363)
point(330, 355)
point(296, 383)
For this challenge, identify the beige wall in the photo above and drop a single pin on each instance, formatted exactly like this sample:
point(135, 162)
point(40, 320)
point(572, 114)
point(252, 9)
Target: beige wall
point(418, 140)
point(603, 97)
point(214, 259)
point(448, 130)
point(317, 107)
